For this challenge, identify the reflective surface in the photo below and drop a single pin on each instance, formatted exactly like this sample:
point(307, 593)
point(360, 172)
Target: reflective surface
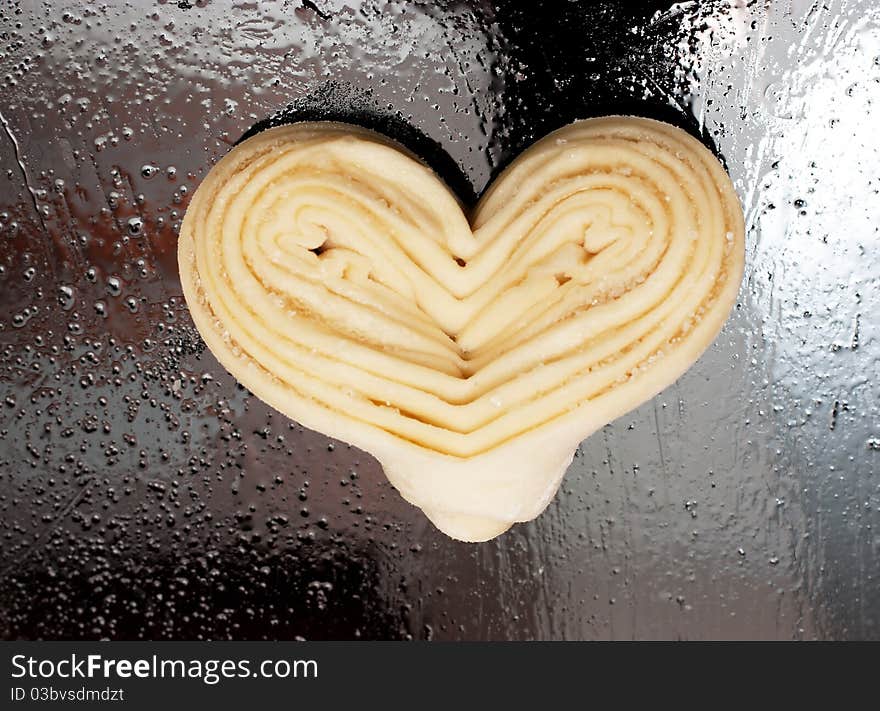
point(144, 494)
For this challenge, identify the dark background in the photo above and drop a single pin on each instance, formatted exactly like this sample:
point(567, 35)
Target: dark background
point(144, 494)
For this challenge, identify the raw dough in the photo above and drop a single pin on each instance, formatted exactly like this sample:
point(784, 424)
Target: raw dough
point(340, 281)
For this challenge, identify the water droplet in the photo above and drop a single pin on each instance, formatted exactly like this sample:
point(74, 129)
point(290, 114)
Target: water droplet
point(135, 226)
point(66, 297)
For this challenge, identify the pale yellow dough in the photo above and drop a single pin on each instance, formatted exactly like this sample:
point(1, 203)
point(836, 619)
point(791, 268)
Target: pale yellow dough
point(339, 280)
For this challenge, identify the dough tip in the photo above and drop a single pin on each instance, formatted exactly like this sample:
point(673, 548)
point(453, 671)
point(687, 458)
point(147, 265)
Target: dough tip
point(468, 528)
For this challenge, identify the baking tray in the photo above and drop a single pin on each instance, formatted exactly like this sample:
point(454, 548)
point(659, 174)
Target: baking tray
point(145, 494)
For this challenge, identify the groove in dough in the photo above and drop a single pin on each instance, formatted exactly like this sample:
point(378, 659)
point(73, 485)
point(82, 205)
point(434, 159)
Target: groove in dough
point(340, 281)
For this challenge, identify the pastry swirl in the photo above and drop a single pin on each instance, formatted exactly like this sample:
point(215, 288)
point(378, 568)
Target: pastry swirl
point(338, 279)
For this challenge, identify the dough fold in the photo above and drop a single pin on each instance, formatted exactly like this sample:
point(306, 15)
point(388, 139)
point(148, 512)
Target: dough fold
point(337, 278)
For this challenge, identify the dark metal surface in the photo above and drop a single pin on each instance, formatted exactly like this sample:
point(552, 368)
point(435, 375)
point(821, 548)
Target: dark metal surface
point(144, 494)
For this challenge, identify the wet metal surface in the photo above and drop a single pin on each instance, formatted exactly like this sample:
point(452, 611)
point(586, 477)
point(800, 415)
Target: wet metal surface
point(144, 494)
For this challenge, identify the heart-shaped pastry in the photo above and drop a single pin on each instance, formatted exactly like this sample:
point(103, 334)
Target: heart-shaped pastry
point(339, 280)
